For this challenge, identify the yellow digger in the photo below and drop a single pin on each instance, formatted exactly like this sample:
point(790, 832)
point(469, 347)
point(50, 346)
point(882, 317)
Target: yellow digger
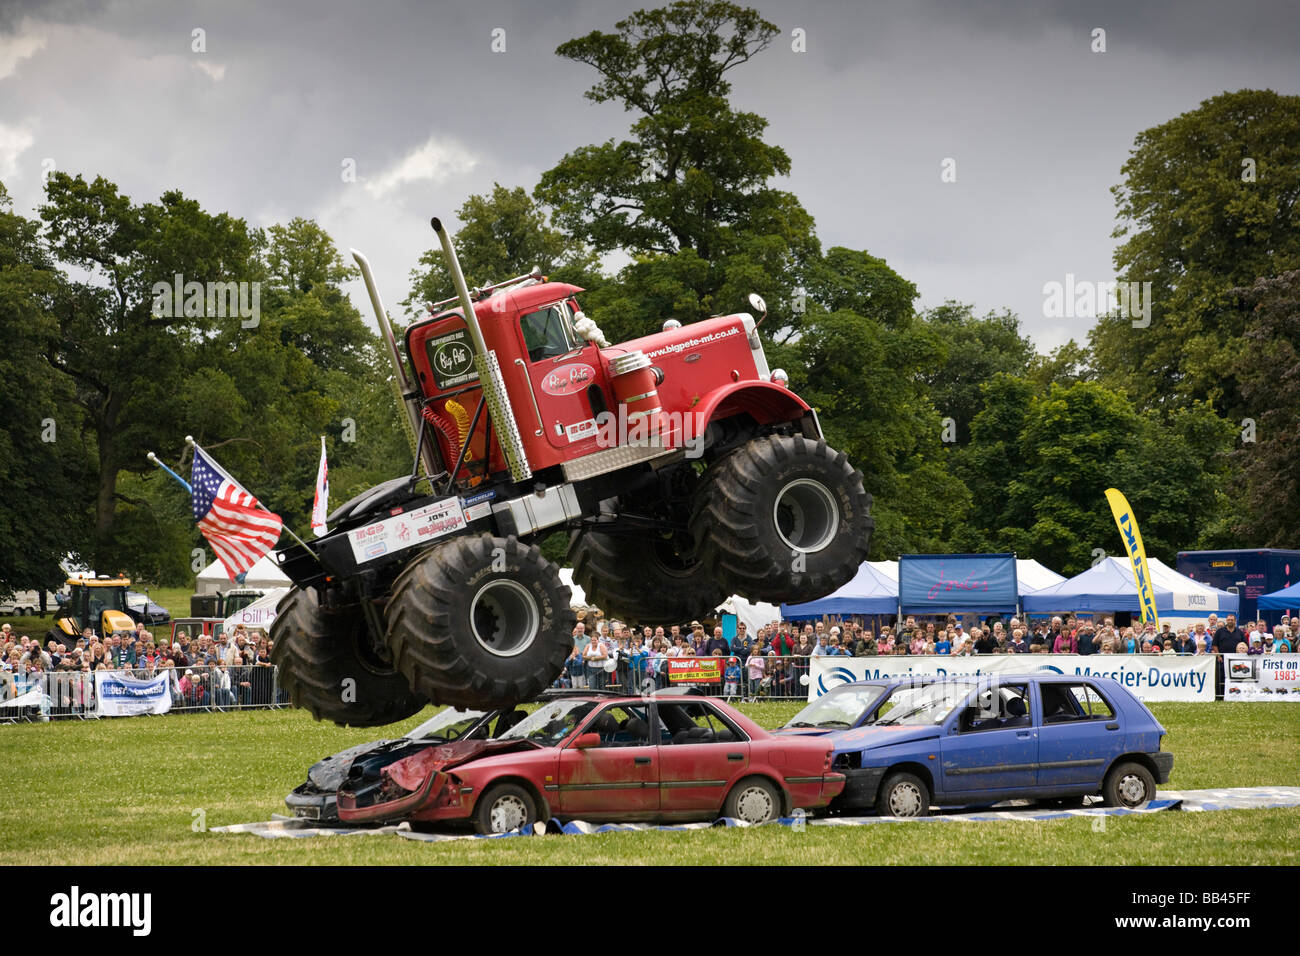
point(99, 603)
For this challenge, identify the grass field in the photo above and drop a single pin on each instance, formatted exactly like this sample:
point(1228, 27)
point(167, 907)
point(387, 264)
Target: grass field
point(131, 791)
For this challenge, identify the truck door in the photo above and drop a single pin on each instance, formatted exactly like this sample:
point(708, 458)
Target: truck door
point(560, 369)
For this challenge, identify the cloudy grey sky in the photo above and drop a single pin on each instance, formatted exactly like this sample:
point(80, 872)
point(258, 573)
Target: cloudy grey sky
point(262, 123)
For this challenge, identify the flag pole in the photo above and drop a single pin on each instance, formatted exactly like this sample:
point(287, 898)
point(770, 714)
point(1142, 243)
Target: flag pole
point(184, 484)
point(189, 440)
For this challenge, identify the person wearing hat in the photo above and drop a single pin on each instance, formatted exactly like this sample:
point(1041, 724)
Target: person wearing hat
point(731, 678)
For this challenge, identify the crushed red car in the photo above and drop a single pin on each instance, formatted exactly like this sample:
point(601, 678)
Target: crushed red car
point(592, 756)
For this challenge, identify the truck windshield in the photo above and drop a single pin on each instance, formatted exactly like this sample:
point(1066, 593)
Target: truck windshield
point(548, 332)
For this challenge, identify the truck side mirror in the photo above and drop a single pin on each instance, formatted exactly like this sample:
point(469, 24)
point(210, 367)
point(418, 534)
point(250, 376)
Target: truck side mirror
point(586, 741)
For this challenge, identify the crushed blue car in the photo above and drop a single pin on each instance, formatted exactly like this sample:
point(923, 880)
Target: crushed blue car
point(907, 746)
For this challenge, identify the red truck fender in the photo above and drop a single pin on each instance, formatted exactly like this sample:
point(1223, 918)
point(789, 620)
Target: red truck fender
point(766, 403)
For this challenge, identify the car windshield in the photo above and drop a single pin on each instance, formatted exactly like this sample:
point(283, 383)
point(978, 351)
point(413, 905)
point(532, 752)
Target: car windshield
point(550, 724)
point(918, 706)
point(841, 708)
point(448, 724)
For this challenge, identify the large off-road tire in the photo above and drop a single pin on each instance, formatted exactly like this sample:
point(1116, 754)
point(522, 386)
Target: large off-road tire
point(644, 579)
point(782, 518)
point(328, 666)
point(480, 622)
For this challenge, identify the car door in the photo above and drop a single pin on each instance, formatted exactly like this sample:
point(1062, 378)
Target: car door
point(1079, 737)
point(618, 778)
point(701, 754)
point(991, 747)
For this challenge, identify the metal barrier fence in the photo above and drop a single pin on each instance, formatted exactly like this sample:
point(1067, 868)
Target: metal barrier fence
point(203, 688)
point(759, 678)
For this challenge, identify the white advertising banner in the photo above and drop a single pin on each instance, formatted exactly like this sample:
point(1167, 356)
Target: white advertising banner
point(1273, 677)
point(119, 696)
point(1148, 677)
point(260, 614)
point(406, 530)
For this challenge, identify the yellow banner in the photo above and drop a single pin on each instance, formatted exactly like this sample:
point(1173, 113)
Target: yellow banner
point(1137, 555)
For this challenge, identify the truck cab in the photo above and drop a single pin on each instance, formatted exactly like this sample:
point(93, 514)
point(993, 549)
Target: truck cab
point(573, 398)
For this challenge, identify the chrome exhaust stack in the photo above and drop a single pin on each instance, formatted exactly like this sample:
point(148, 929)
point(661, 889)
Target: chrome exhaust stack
point(407, 396)
point(489, 369)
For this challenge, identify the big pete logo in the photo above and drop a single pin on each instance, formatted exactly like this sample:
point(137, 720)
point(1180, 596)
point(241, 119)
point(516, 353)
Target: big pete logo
point(834, 677)
point(77, 909)
point(453, 358)
point(568, 379)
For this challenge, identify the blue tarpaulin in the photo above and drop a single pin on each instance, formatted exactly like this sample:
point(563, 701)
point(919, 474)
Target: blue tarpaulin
point(870, 592)
point(1284, 600)
point(943, 583)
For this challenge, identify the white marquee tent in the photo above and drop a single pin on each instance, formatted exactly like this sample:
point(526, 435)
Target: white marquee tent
point(265, 574)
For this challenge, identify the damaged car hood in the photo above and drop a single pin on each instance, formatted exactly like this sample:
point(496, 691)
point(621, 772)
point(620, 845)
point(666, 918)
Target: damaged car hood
point(410, 772)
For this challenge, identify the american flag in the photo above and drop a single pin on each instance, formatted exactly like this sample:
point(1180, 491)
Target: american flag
point(239, 529)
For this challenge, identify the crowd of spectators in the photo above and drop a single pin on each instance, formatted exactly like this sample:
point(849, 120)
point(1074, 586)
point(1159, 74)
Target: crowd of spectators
point(204, 671)
point(772, 661)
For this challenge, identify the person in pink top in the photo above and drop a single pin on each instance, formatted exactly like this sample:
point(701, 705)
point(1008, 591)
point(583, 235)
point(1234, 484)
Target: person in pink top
point(1065, 643)
point(917, 645)
point(756, 666)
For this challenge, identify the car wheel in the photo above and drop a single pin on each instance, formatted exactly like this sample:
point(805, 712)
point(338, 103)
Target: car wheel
point(504, 808)
point(753, 801)
point(1129, 785)
point(903, 795)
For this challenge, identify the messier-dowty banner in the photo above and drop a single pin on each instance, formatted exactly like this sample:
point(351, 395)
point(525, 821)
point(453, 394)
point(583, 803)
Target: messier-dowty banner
point(1148, 677)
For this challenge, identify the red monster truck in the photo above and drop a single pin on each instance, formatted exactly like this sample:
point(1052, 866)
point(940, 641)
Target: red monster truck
point(683, 469)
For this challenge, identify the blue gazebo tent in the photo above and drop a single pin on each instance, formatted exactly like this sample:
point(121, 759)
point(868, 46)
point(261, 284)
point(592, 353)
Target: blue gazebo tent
point(870, 592)
point(1284, 600)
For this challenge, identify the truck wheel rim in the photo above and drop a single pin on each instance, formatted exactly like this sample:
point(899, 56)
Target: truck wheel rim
point(508, 813)
point(905, 800)
point(504, 618)
point(754, 805)
point(1132, 789)
point(806, 515)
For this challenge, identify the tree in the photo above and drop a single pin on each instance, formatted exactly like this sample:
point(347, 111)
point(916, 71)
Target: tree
point(44, 467)
point(1067, 364)
point(1039, 464)
point(976, 349)
point(124, 359)
point(862, 372)
point(501, 236)
point(988, 463)
point(1266, 482)
point(687, 195)
point(1210, 201)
